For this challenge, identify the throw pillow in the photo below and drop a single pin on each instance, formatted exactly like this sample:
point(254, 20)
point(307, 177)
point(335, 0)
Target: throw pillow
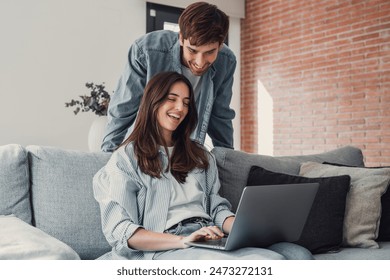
point(324, 226)
point(363, 203)
point(384, 225)
point(21, 241)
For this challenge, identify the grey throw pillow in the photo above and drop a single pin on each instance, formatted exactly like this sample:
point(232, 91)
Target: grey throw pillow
point(363, 203)
point(21, 241)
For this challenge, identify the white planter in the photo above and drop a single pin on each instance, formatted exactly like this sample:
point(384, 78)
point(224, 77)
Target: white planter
point(96, 133)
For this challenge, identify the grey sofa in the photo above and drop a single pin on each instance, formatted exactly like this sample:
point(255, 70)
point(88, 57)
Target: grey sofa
point(47, 209)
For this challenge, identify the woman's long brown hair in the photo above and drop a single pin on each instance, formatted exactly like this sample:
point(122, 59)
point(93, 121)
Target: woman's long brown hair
point(147, 137)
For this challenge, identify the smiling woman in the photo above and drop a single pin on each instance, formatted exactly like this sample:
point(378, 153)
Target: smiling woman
point(173, 110)
point(160, 190)
point(167, 116)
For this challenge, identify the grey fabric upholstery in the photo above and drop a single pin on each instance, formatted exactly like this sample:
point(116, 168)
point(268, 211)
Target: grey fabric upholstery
point(234, 166)
point(14, 182)
point(62, 197)
point(58, 183)
point(358, 253)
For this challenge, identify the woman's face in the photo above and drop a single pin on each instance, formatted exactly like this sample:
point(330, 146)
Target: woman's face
point(173, 110)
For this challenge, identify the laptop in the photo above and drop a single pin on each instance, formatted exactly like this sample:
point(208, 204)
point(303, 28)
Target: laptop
point(266, 215)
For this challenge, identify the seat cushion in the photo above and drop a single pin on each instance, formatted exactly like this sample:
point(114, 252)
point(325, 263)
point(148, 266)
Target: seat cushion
point(383, 253)
point(62, 197)
point(14, 182)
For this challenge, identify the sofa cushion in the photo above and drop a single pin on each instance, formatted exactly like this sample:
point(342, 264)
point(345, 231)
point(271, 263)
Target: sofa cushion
point(14, 182)
point(323, 230)
point(359, 254)
point(62, 197)
point(234, 166)
point(21, 241)
point(384, 225)
point(363, 204)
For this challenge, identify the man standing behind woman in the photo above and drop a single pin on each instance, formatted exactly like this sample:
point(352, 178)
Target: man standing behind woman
point(197, 51)
point(159, 190)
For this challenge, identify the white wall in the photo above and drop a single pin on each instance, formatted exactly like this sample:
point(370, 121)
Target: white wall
point(48, 50)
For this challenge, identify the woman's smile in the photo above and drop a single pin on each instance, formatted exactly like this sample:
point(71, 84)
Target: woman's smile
point(173, 110)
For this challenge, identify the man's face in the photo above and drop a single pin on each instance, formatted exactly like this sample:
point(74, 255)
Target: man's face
point(198, 58)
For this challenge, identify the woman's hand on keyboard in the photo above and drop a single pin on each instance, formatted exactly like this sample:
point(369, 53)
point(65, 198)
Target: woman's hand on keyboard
point(205, 233)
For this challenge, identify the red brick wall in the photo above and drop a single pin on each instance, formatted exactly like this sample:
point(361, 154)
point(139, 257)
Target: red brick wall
point(326, 65)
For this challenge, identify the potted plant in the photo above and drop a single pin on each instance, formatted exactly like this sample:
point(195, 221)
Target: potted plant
point(97, 102)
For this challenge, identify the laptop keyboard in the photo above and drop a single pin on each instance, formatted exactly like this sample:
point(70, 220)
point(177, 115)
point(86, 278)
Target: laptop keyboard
point(219, 243)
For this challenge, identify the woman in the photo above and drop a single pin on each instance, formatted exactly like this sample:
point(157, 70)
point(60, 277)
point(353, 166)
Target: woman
point(159, 190)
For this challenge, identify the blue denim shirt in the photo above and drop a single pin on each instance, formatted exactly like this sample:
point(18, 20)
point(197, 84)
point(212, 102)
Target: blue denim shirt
point(130, 199)
point(160, 51)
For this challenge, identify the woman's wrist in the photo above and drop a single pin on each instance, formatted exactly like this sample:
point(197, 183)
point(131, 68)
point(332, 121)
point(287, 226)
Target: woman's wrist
point(227, 224)
point(182, 242)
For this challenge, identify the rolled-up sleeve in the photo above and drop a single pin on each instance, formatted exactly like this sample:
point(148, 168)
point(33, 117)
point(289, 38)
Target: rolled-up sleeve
point(116, 192)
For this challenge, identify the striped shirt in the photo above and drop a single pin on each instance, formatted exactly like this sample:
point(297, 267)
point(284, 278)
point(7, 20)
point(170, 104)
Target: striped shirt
point(130, 199)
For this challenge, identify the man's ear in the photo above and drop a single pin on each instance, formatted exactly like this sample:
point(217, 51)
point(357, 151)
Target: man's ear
point(181, 40)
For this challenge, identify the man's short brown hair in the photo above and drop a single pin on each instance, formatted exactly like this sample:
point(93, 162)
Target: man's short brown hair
point(203, 23)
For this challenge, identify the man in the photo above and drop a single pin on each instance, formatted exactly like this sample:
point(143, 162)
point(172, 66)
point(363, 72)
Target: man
point(199, 53)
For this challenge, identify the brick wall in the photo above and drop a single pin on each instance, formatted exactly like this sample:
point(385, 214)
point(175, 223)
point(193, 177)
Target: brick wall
point(326, 65)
